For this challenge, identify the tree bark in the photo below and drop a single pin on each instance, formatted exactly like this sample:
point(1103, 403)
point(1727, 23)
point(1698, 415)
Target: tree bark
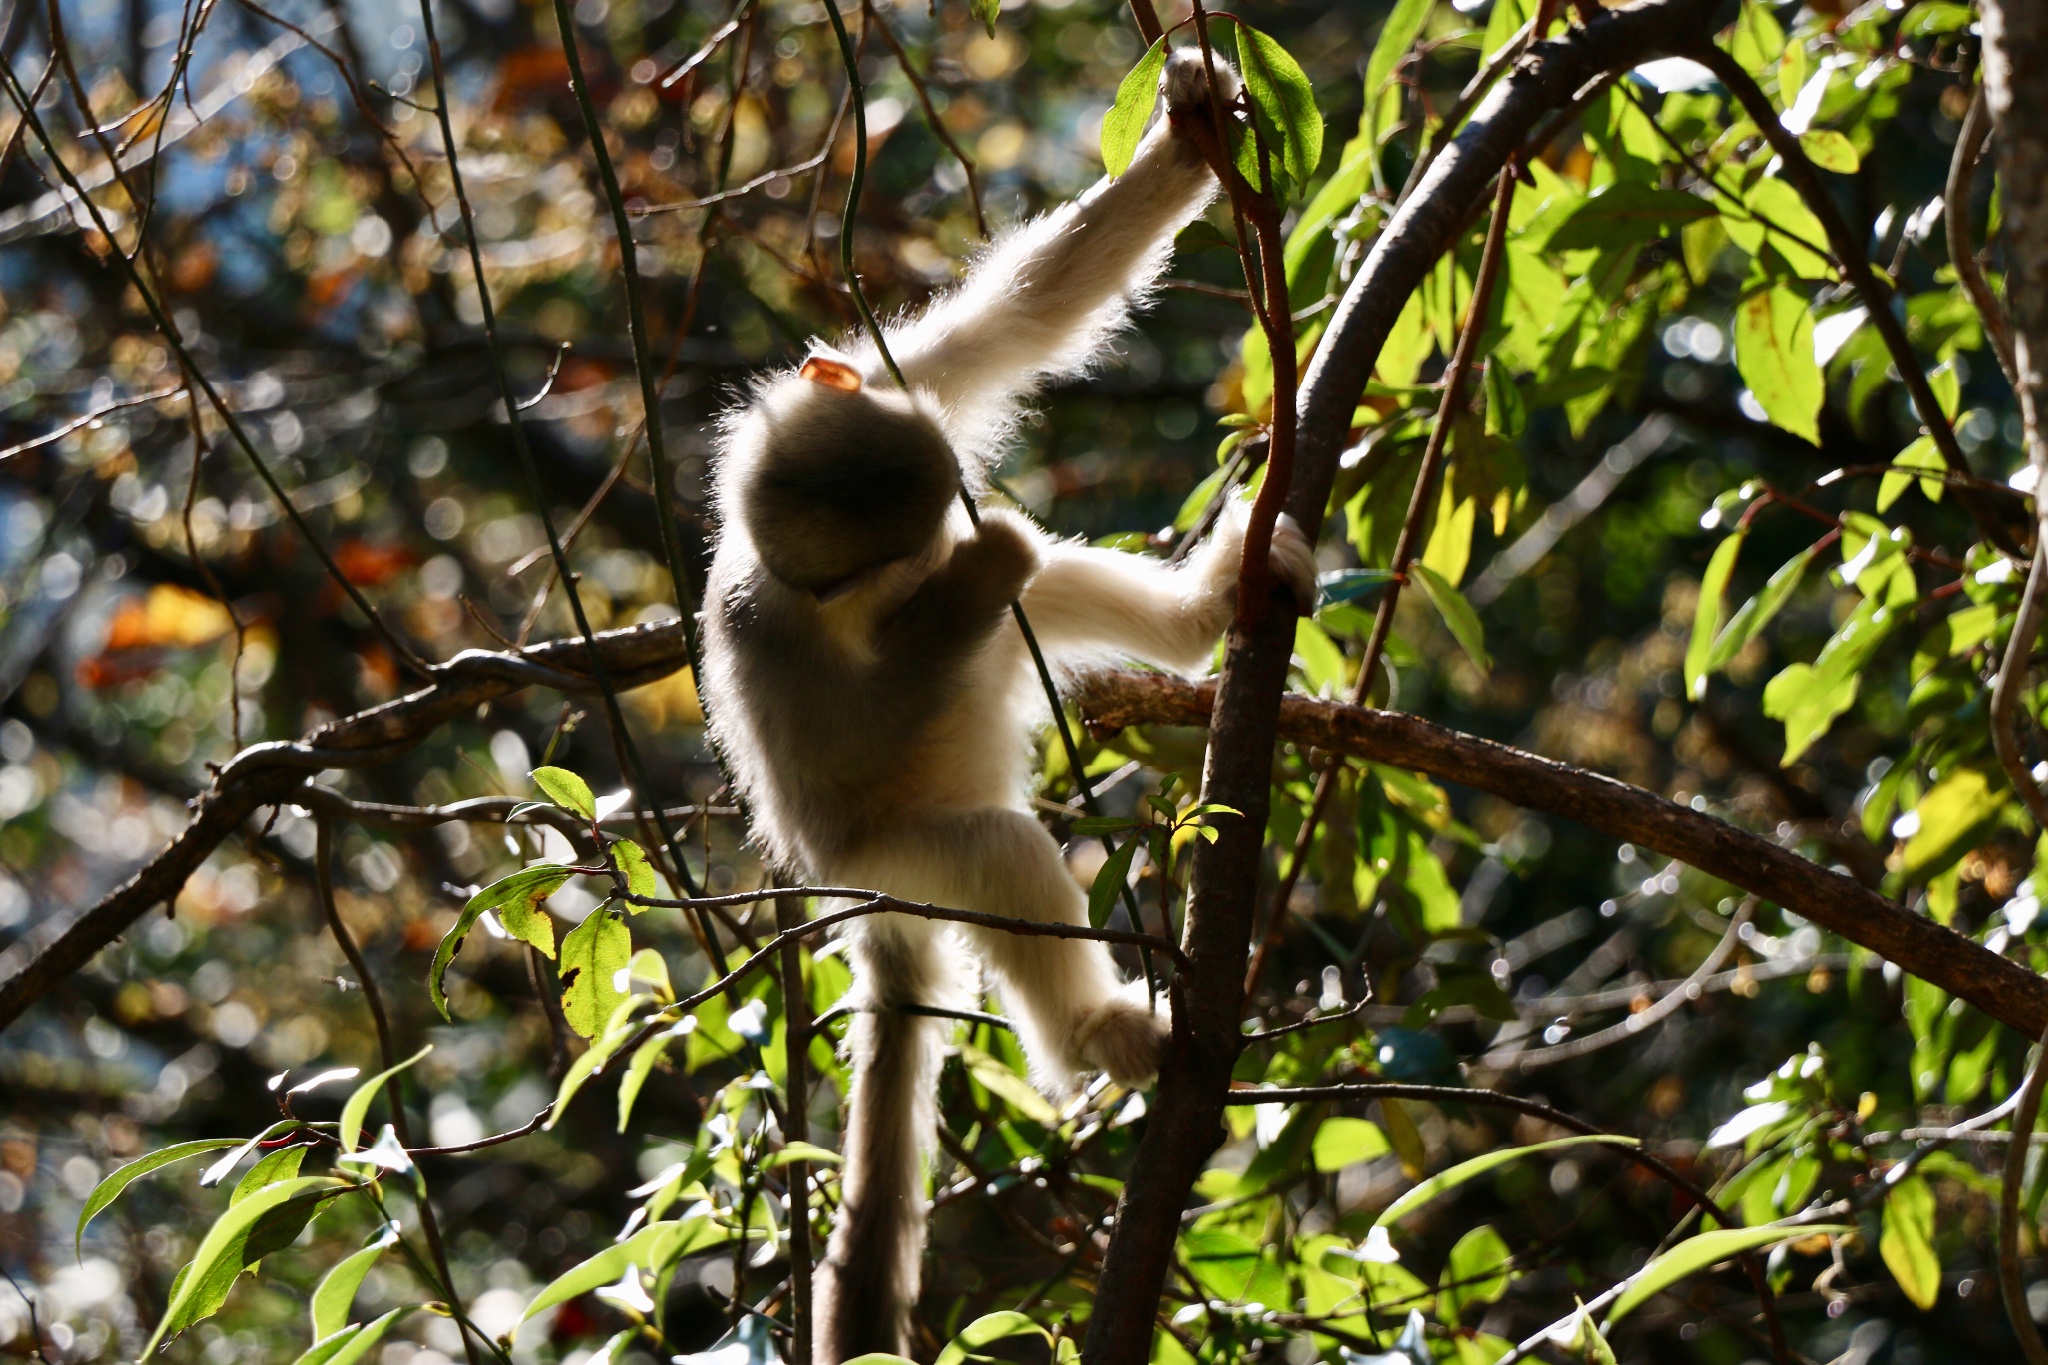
point(1185, 1121)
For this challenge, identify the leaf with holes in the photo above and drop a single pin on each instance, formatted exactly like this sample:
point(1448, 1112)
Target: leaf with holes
point(592, 955)
point(516, 899)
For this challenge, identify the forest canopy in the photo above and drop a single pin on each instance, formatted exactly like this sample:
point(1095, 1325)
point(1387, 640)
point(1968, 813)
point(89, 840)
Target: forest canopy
point(1605, 925)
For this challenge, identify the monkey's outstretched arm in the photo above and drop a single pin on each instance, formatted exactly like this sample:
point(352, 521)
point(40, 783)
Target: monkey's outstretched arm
point(1041, 302)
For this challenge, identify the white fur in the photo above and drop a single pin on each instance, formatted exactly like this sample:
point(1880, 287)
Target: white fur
point(941, 811)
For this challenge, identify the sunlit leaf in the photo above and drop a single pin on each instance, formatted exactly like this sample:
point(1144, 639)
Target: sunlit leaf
point(1124, 125)
point(204, 1283)
point(515, 898)
point(1697, 1253)
point(1774, 352)
point(566, 790)
point(592, 955)
point(1907, 1243)
point(1706, 620)
point(110, 1188)
point(1280, 90)
point(336, 1292)
point(358, 1105)
point(1478, 1166)
point(991, 1327)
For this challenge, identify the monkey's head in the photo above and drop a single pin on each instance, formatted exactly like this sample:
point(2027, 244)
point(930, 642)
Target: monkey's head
point(837, 477)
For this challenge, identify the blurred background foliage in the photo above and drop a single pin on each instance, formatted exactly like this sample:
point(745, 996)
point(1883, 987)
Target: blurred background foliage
point(157, 613)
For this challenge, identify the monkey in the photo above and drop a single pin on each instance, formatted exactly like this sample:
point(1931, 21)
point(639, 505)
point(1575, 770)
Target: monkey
point(874, 702)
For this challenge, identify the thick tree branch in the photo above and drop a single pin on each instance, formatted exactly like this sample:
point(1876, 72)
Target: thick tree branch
point(1185, 1121)
point(1840, 904)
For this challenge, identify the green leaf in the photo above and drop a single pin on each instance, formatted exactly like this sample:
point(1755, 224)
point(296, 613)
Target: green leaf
point(1280, 90)
point(1831, 151)
point(109, 1189)
point(1695, 1254)
point(1007, 1086)
point(991, 1327)
point(645, 1057)
point(1757, 612)
point(592, 955)
point(1706, 617)
point(1922, 454)
point(803, 1151)
point(1808, 697)
point(1342, 1142)
point(1109, 882)
point(1124, 124)
point(1401, 30)
point(336, 1292)
point(1907, 1244)
point(566, 790)
point(634, 867)
point(203, 1284)
point(358, 1106)
point(351, 1344)
point(282, 1164)
point(1478, 1166)
point(1774, 211)
point(619, 1025)
point(986, 11)
point(514, 898)
point(1627, 212)
point(652, 1248)
point(1475, 1273)
point(1960, 806)
point(1457, 614)
point(1774, 353)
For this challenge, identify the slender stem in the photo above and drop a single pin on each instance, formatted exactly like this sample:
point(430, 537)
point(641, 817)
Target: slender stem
point(2011, 1285)
point(394, 1094)
point(796, 1036)
point(1405, 549)
point(707, 932)
point(1962, 172)
point(2005, 689)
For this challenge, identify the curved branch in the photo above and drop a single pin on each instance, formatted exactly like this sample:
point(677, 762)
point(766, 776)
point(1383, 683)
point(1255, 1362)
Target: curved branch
point(1962, 172)
point(1837, 903)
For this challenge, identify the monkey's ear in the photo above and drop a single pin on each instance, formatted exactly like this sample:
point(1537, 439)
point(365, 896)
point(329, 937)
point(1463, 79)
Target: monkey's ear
point(832, 372)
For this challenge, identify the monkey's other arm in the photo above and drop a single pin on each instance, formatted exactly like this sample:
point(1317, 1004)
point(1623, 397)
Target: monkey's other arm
point(1041, 302)
point(1091, 599)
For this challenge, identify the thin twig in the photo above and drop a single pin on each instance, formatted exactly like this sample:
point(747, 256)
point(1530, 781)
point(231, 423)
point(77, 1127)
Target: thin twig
point(931, 115)
point(796, 1035)
point(2012, 1287)
point(2011, 680)
point(1962, 171)
point(88, 419)
point(394, 1094)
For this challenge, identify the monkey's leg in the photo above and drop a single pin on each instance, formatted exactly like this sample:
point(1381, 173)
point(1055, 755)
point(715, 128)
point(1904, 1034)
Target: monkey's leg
point(868, 1281)
point(1071, 1010)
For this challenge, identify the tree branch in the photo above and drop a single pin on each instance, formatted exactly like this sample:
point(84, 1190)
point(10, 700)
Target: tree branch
point(1840, 904)
point(1186, 1114)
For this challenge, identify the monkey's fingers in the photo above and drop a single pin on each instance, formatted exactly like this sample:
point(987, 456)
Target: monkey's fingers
point(1185, 85)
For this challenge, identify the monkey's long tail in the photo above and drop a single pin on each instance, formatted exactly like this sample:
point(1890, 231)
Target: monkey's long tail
point(869, 1280)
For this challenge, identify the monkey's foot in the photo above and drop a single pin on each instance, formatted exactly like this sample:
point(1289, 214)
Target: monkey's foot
point(1124, 1038)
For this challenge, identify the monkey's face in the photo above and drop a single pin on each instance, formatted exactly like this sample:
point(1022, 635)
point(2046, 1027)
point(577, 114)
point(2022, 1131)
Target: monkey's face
point(845, 480)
